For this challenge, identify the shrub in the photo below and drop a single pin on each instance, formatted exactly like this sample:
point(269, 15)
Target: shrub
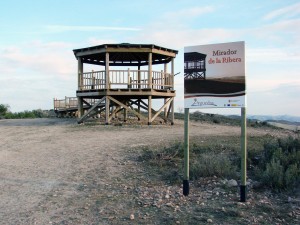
point(274, 174)
point(208, 165)
point(280, 166)
point(3, 110)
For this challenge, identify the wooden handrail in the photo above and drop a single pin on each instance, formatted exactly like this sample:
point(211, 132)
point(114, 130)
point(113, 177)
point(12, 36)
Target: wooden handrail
point(127, 79)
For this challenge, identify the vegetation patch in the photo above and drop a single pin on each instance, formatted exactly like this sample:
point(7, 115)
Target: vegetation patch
point(5, 113)
point(272, 162)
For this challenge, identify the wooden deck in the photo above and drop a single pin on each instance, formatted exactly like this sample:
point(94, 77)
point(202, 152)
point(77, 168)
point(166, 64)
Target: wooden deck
point(69, 106)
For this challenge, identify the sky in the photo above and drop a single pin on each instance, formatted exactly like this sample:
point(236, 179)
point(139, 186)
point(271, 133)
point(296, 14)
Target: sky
point(37, 63)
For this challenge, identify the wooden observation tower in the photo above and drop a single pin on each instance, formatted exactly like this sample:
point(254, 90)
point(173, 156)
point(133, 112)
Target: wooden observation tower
point(194, 66)
point(127, 82)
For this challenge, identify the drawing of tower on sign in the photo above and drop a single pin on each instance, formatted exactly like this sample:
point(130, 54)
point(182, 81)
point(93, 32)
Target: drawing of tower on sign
point(194, 66)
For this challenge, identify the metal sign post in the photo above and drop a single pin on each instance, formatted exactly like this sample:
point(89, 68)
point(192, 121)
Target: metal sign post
point(243, 154)
point(186, 176)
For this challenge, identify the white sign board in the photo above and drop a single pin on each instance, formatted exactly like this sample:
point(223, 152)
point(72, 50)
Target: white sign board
point(214, 76)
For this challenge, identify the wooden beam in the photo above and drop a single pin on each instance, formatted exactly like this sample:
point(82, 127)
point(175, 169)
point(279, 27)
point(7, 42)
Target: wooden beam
point(80, 73)
point(150, 70)
point(80, 107)
point(141, 106)
point(106, 70)
point(149, 109)
point(162, 52)
point(90, 52)
point(107, 110)
point(90, 110)
point(124, 106)
point(172, 113)
point(86, 102)
point(160, 110)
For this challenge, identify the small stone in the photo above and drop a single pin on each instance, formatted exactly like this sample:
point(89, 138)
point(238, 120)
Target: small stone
point(177, 222)
point(223, 209)
point(167, 196)
point(209, 220)
point(232, 183)
point(131, 216)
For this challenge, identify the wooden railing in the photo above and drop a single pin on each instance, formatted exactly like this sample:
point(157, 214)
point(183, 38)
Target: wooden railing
point(126, 79)
point(70, 103)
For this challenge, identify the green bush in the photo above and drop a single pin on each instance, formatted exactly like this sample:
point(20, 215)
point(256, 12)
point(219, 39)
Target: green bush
point(273, 162)
point(5, 113)
point(211, 164)
point(274, 174)
point(280, 166)
point(3, 110)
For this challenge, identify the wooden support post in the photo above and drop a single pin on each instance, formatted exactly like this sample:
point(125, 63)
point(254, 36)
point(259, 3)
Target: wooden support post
point(80, 74)
point(149, 109)
point(172, 74)
point(106, 70)
point(125, 114)
point(80, 107)
point(243, 155)
point(186, 175)
point(165, 109)
point(165, 75)
point(172, 112)
point(106, 110)
point(150, 70)
point(139, 109)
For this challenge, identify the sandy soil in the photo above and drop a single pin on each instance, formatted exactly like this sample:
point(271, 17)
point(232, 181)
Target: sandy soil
point(53, 171)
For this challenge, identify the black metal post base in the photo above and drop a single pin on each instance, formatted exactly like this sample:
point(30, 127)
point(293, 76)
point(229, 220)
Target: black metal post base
point(243, 193)
point(186, 187)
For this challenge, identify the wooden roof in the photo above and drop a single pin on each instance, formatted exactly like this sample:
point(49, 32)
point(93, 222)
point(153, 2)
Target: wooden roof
point(125, 54)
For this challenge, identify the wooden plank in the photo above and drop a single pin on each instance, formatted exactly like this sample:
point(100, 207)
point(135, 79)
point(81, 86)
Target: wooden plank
point(163, 52)
point(90, 52)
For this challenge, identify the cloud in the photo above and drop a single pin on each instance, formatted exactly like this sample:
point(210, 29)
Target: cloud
point(95, 41)
point(65, 28)
point(271, 55)
point(42, 58)
point(286, 12)
point(189, 12)
point(178, 38)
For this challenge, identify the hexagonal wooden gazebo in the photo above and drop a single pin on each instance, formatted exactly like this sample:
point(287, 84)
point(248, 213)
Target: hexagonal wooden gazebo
point(128, 82)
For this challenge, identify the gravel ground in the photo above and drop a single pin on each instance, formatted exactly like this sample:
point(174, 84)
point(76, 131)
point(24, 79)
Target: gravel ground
point(53, 171)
